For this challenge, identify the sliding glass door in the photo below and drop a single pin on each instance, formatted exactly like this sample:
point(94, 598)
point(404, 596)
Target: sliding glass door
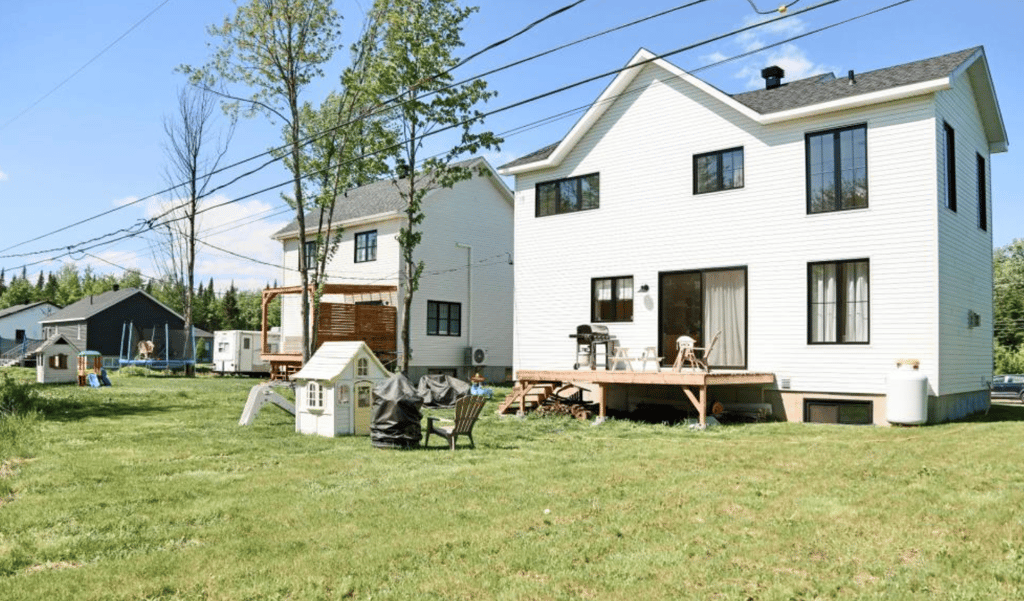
point(701, 304)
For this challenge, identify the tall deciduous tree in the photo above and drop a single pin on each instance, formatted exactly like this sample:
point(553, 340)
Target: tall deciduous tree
point(1008, 294)
point(276, 48)
point(349, 141)
point(194, 151)
point(419, 39)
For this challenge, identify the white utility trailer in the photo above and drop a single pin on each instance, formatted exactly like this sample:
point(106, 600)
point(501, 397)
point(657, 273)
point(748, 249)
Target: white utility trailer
point(238, 351)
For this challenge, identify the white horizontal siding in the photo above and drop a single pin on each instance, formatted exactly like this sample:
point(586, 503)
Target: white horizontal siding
point(650, 222)
point(965, 268)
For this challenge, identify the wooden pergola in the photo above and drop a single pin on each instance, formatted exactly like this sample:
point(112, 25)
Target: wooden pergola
point(373, 324)
point(694, 382)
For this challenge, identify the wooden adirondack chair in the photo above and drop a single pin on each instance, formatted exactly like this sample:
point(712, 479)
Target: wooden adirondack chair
point(688, 355)
point(467, 410)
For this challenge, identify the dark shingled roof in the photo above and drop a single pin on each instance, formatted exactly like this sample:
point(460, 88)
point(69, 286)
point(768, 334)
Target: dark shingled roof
point(372, 199)
point(823, 88)
point(826, 88)
point(19, 308)
point(91, 305)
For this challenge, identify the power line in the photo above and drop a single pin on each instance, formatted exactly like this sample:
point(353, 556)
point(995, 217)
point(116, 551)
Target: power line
point(82, 68)
point(380, 109)
point(149, 225)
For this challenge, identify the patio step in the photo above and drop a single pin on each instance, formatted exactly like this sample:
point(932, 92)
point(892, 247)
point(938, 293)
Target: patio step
point(532, 398)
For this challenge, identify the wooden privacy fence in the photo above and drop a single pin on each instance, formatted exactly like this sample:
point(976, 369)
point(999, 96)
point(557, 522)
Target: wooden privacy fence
point(373, 324)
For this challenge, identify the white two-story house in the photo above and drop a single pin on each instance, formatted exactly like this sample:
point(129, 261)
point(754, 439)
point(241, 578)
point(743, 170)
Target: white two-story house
point(462, 311)
point(825, 227)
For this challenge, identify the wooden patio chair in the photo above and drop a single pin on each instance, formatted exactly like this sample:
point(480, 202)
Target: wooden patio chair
point(467, 410)
point(688, 354)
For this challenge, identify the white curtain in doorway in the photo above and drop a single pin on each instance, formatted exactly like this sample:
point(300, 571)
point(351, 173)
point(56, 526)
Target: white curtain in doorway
point(725, 311)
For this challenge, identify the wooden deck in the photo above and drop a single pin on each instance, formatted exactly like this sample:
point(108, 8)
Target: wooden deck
point(693, 382)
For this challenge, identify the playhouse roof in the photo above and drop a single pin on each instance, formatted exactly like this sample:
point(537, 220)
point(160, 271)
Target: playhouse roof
point(331, 358)
point(55, 340)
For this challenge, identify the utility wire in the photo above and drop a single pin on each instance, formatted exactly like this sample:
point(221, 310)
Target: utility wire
point(588, 80)
point(82, 68)
point(383, 107)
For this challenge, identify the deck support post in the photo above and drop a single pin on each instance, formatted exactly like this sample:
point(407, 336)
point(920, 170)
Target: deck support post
point(700, 403)
point(601, 405)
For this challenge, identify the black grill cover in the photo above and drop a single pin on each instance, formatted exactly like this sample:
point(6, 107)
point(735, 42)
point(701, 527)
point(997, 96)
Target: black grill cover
point(396, 414)
point(441, 390)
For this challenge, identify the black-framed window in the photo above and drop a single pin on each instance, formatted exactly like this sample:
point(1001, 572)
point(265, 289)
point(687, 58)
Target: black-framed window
point(366, 246)
point(949, 152)
point(838, 306)
point(837, 169)
point(568, 195)
point(444, 318)
point(828, 411)
point(311, 254)
point(719, 170)
point(982, 194)
point(611, 299)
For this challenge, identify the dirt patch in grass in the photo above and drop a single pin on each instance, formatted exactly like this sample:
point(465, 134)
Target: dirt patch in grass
point(52, 565)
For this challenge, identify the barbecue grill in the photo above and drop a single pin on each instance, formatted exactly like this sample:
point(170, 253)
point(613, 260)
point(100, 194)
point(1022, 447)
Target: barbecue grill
point(587, 338)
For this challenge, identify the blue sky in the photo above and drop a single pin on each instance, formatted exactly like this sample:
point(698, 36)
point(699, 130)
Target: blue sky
point(95, 143)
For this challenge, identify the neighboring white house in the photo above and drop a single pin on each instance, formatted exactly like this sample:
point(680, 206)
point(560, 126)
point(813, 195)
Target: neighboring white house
point(334, 390)
point(826, 227)
point(464, 301)
point(21, 322)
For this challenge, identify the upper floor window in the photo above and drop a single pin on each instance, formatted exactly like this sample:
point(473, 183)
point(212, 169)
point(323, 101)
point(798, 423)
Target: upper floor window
point(982, 194)
point(311, 255)
point(612, 299)
point(568, 195)
point(837, 299)
point(444, 319)
point(362, 366)
point(715, 171)
point(837, 169)
point(949, 152)
point(366, 246)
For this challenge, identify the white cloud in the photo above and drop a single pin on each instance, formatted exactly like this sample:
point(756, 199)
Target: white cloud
point(789, 56)
point(3, 176)
point(242, 228)
point(127, 200)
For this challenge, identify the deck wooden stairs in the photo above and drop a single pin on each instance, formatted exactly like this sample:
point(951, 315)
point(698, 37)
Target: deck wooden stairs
point(534, 396)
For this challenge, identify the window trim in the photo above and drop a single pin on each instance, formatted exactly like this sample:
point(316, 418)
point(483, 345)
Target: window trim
point(837, 162)
point(869, 405)
point(949, 150)
point(982, 192)
point(719, 184)
point(310, 254)
point(557, 184)
point(366, 248)
point(615, 291)
point(437, 320)
point(314, 396)
point(840, 305)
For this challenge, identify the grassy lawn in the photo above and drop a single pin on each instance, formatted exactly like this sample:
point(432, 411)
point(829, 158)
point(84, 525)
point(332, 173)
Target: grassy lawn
point(150, 490)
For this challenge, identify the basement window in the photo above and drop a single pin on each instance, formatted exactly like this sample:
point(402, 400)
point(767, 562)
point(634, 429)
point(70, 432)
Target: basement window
point(828, 411)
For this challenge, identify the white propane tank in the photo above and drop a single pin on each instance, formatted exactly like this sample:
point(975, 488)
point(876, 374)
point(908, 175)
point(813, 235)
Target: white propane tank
point(907, 394)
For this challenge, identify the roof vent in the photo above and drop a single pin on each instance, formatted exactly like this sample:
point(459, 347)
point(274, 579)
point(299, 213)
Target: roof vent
point(850, 76)
point(772, 76)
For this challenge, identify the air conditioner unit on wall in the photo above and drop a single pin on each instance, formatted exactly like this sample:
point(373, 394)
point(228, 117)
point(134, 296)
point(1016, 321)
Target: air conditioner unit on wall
point(476, 356)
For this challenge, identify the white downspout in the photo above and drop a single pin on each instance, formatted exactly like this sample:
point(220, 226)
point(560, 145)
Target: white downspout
point(469, 293)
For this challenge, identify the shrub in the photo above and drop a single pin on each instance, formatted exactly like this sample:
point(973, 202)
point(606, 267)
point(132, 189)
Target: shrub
point(17, 397)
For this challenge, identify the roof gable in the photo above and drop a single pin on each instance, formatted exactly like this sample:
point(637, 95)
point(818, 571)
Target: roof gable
point(13, 310)
point(815, 95)
point(98, 303)
point(381, 200)
point(332, 358)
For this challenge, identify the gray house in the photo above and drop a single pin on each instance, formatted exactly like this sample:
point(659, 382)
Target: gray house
point(114, 322)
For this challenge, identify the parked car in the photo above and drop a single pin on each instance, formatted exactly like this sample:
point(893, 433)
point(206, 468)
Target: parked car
point(1010, 385)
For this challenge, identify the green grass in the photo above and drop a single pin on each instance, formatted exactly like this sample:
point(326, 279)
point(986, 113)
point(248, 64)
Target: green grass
point(150, 490)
